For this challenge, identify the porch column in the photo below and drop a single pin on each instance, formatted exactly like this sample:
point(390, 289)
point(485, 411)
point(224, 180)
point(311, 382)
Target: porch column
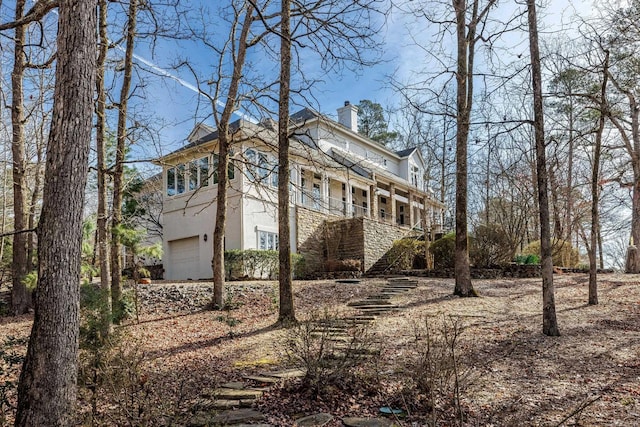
point(373, 202)
point(326, 203)
point(392, 193)
point(411, 216)
point(349, 201)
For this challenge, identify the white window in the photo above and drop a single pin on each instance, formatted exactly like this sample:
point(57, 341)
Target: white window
point(230, 169)
point(262, 168)
point(267, 241)
point(415, 176)
point(188, 177)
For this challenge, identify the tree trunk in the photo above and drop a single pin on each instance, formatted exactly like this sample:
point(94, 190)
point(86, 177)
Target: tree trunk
point(464, 77)
point(101, 221)
point(286, 314)
point(595, 189)
point(549, 322)
point(20, 295)
point(224, 141)
point(118, 173)
point(47, 388)
point(633, 254)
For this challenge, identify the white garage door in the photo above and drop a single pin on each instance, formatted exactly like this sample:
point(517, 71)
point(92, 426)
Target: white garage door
point(185, 258)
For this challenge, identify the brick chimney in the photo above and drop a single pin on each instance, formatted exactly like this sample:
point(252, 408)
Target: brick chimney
point(348, 116)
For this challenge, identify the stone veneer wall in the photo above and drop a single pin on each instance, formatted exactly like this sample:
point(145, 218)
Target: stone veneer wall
point(310, 237)
point(321, 236)
point(344, 239)
point(378, 239)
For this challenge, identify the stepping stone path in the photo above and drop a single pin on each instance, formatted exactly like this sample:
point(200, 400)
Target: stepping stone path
point(231, 403)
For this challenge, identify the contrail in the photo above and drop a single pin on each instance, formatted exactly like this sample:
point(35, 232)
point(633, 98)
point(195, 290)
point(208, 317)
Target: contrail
point(181, 81)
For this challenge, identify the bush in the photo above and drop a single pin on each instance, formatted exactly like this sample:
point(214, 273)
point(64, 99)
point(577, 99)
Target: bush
point(404, 252)
point(329, 361)
point(490, 246)
point(527, 259)
point(332, 265)
point(443, 251)
point(562, 253)
point(437, 363)
point(258, 264)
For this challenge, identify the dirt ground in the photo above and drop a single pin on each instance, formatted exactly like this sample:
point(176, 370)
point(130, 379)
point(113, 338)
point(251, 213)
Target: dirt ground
point(514, 375)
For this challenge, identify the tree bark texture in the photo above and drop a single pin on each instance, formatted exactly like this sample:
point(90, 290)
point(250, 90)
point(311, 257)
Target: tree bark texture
point(20, 295)
point(549, 322)
point(464, 99)
point(47, 388)
point(224, 142)
point(286, 312)
point(118, 172)
point(595, 189)
point(101, 222)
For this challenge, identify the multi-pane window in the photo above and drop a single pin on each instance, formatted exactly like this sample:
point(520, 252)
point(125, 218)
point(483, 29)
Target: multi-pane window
point(230, 169)
point(262, 168)
point(267, 241)
point(188, 177)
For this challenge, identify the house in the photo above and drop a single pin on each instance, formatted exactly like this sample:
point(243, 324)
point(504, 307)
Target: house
point(351, 197)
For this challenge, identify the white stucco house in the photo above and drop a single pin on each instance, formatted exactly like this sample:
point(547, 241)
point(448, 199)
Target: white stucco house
point(336, 175)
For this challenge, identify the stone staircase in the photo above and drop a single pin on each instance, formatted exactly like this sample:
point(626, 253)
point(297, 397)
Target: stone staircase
point(231, 403)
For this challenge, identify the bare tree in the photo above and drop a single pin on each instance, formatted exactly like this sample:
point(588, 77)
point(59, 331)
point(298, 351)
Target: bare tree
point(239, 54)
point(595, 187)
point(286, 312)
point(20, 295)
point(101, 167)
point(466, 36)
point(47, 389)
point(118, 170)
point(549, 322)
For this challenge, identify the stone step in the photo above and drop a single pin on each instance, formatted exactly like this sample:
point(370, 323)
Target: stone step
point(234, 394)
point(222, 404)
point(407, 287)
point(234, 417)
point(287, 373)
point(401, 279)
point(367, 319)
point(333, 338)
point(331, 330)
point(368, 302)
point(378, 296)
point(388, 307)
point(262, 379)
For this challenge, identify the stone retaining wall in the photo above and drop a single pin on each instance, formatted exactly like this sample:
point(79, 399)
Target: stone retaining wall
point(321, 237)
point(378, 239)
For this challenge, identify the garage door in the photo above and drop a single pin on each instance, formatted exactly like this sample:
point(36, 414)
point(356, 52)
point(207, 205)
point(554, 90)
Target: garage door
point(185, 258)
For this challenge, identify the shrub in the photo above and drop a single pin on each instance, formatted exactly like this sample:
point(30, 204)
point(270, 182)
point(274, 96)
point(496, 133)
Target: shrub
point(436, 362)
point(258, 264)
point(403, 253)
point(329, 361)
point(443, 251)
point(332, 265)
point(527, 259)
point(562, 253)
point(490, 246)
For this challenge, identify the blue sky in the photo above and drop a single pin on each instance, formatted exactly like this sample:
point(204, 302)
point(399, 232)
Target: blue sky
point(172, 100)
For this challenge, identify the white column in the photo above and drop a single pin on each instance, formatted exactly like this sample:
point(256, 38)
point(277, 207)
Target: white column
point(349, 200)
point(325, 192)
